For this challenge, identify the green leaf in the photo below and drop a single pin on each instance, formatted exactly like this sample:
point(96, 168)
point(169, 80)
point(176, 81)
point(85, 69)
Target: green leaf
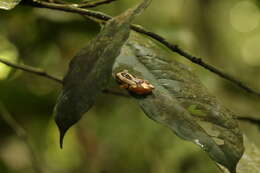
point(180, 102)
point(90, 70)
point(8, 4)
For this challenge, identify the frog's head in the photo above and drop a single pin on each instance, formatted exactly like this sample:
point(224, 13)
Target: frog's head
point(126, 78)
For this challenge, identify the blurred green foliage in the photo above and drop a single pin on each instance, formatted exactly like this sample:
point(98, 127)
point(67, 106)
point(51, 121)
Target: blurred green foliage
point(115, 136)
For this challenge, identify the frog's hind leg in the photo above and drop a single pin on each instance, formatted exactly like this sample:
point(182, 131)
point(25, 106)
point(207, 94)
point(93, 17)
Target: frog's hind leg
point(125, 86)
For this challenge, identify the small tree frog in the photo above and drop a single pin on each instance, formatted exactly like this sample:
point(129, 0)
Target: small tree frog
point(134, 84)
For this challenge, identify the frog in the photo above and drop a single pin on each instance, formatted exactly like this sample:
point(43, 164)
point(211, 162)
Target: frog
point(134, 84)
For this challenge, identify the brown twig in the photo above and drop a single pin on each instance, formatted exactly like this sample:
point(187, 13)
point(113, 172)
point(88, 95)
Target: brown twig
point(86, 4)
point(250, 120)
point(104, 17)
point(42, 73)
point(116, 92)
point(66, 8)
point(30, 69)
point(21, 133)
point(196, 60)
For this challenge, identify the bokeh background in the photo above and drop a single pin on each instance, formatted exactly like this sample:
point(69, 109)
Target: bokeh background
point(115, 136)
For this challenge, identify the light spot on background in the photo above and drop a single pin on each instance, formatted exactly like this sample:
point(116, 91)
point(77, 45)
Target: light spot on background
point(244, 16)
point(251, 51)
point(15, 154)
point(8, 52)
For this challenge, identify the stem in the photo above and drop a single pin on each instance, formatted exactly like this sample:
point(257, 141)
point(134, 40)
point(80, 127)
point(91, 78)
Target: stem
point(87, 4)
point(250, 120)
point(30, 69)
point(41, 72)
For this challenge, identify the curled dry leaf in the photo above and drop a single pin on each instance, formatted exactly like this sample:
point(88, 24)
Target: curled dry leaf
point(180, 102)
point(90, 70)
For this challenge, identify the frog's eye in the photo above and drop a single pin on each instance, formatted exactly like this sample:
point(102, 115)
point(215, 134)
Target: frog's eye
point(127, 76)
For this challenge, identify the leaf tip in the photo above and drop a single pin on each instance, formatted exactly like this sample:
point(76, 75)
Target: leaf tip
point(62, 134)
point(62, 129)
point(61, 139)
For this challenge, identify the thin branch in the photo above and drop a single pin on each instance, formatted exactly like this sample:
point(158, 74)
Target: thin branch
point(250, 120)
point(30, 69)
point(196, 60)
point(41, 72)
point(21, 133)
point(86, 4)
point(116, 92)
point(67, 8)
point(96, 3)
point(93, 15)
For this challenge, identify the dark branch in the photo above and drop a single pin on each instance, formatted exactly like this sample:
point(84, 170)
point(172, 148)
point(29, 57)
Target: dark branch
point(67, 8)
point(115, 92)
point(196, 60)
point(30, 69)
point(101, 18)
point(42, 73)
point(250, 120)
point(86, 4)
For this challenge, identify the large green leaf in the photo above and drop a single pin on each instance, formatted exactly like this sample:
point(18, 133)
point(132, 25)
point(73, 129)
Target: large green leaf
point(8, 4)
point(90, 70)
point(181, 102)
